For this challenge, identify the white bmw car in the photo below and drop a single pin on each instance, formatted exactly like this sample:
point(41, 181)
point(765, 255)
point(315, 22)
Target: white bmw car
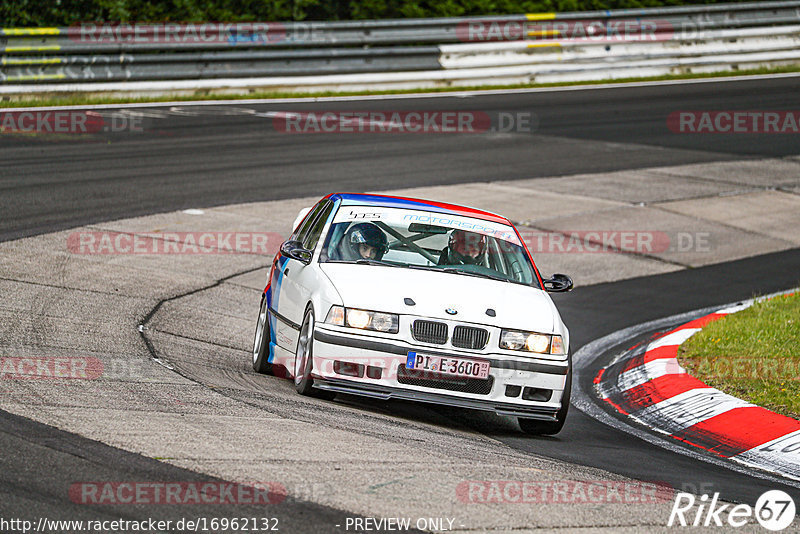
point(398, 298)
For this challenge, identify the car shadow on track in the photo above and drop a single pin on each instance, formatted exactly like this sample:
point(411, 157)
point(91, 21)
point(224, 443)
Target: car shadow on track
point(459, 419)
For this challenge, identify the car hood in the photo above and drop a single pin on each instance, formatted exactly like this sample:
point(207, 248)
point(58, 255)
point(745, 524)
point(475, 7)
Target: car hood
point(386, 288)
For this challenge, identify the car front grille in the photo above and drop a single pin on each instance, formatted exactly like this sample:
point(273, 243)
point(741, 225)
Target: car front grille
point(429, 332)
point(428, 379)
point(468, 337)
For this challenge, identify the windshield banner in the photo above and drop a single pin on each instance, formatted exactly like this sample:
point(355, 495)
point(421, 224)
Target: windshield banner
point(403, 218)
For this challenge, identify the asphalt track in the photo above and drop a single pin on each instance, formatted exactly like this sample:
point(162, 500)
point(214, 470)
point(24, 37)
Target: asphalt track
point(599, 310)
point(211, 157)
point(40, 464)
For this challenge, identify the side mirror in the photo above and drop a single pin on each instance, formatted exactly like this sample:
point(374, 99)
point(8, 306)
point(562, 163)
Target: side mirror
point(558, 283)
point(295, 250)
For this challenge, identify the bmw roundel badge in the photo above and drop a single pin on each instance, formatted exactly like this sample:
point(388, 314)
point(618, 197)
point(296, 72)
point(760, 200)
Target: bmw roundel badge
point(451, 311)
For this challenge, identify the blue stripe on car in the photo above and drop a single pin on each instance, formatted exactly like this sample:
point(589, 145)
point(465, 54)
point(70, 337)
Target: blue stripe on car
point(273, 296)
point(374, 200)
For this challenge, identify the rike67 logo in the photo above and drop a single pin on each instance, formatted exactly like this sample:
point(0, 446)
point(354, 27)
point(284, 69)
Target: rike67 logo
point(774, 510)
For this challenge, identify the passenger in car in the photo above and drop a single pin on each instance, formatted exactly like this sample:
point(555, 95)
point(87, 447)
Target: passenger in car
point(464, 248)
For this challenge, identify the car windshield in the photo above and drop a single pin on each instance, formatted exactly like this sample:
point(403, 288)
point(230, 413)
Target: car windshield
point(417, 239)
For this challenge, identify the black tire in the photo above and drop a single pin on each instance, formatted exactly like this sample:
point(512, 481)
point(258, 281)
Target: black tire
point(304, 358)
point(550, 428)
point(261, 341)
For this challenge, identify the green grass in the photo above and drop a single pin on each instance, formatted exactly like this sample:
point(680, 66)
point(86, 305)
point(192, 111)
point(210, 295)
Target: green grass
point(753, 354)
point(32, 100)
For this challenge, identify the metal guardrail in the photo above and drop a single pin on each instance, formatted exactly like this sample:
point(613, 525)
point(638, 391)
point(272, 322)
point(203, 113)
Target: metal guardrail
point(118, 52)
point(245, 63)
point(110, 38)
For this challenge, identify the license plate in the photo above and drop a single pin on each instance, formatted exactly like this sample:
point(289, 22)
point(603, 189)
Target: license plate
point(448, 366)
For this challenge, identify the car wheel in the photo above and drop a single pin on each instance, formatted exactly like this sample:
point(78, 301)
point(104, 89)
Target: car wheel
point(303, 360)
point(261, 341)
point(550, 428)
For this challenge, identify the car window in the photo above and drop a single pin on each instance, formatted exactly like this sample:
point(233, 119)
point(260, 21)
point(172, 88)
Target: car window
point(302, 230)
point(422, 240)
point(312, 237)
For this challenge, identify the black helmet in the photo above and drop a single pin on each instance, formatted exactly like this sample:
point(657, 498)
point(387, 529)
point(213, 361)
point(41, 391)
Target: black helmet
point(365, 234)
point(466, 248)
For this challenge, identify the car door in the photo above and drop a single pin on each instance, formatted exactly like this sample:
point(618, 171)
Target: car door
point(281, 303)
point(299, 279)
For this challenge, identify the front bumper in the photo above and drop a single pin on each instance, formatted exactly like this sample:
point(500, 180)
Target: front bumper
point(348, 363)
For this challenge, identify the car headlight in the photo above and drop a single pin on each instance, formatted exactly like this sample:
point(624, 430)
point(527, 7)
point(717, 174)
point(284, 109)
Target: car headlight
point(532, 342)
point(364, 319)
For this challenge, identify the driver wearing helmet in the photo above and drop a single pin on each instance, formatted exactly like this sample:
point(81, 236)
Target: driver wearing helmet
point(363, 241)
point(464, 248)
